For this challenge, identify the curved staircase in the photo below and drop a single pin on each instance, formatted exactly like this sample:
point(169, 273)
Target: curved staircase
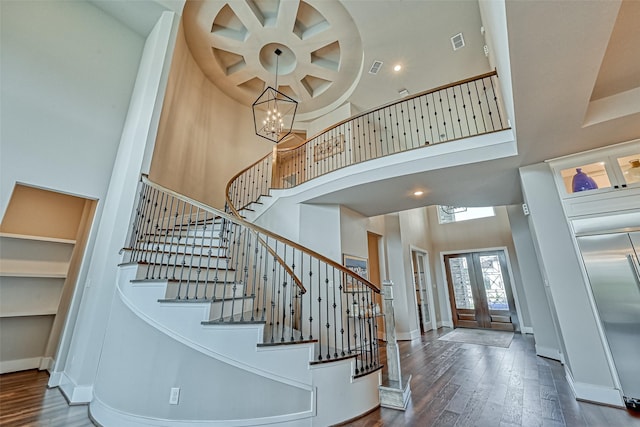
point(250, 328)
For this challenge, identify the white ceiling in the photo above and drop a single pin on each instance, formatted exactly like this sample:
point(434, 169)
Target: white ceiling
point(561, 54)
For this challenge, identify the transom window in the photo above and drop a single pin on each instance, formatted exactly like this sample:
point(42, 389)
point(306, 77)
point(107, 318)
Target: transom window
point(448, 214)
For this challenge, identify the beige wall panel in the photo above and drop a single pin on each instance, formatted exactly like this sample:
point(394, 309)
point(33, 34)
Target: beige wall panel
point(204, 137)
point(44, 213)
point(23, 337)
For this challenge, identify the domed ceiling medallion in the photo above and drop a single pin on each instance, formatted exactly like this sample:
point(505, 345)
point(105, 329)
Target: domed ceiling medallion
point(233, 43)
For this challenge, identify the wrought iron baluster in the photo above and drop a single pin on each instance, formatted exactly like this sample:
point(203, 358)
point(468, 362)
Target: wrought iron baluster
point(150, 231)
point(484, 124)
point(326, 290)
point(137, 223)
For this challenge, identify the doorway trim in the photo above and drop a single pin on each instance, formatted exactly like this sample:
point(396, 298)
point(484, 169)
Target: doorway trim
point(428, 284)
point(445, 288)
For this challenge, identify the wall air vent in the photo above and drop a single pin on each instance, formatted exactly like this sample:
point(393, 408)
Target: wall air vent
point(375, 67)
point(457, 41)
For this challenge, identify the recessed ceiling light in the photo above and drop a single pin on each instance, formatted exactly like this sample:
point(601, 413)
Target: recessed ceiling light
point(397, 67)
point(418, 193)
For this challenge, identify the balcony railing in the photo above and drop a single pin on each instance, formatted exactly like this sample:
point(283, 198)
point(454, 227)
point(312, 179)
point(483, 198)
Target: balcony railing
point(253, 275)
point(459, 110)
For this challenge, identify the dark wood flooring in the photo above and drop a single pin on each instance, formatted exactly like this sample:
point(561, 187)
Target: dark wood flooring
point(453, 384)
point(463, 385)
point(25, 400)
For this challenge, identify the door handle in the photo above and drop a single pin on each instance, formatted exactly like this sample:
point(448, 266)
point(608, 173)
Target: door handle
point(634, 267)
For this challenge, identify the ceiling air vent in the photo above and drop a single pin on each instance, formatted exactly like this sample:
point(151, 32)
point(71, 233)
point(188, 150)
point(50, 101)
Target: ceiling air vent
point(457, 41)
point(375, 67)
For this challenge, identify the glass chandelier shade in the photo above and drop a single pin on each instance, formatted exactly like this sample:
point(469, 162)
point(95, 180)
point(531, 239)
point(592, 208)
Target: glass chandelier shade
point(274, 112)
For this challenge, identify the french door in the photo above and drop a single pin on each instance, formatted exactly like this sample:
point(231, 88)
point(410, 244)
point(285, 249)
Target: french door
point(480, 290)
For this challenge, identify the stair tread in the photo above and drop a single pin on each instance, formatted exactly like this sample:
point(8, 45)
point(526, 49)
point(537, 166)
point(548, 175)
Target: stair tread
point(202, 300)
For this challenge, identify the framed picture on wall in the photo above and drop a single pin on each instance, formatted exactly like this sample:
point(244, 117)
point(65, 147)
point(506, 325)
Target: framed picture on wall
point(357, 265)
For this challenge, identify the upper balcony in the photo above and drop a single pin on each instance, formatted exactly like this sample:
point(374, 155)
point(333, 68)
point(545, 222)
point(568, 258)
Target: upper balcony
point(398, 139)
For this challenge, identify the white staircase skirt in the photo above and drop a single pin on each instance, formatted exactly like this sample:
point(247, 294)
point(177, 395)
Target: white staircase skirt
point(223, 377)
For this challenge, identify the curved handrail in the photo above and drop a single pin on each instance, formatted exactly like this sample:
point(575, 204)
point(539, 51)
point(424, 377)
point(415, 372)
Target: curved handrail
point(248, 273)
point(458, 110)
point(372, 110)
point(240, 221)
point(235, 219)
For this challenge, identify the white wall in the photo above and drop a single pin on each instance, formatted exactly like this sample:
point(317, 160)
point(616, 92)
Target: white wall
point(320, 230)
point(84, 332)
point(414, 232)
point(140, 364)
point(544, 329)
point(67, 74)
point(584, 350)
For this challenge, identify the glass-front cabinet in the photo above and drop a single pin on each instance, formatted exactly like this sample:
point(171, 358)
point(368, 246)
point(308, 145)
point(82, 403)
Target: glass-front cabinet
point(630, 168)
point(592, 172)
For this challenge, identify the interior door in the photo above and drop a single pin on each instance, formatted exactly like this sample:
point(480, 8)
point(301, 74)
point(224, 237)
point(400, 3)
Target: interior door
point(480, 290)
point(422, 294)
point(373, 245)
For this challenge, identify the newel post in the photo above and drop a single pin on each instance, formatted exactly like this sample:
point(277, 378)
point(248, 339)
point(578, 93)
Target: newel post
point(394, 391)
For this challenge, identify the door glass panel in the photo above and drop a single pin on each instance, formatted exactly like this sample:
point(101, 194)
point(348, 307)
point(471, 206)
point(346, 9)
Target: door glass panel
point(493, 282)
point(424, 297)
point(630, 166)
point(586, 177)
point(461, 283)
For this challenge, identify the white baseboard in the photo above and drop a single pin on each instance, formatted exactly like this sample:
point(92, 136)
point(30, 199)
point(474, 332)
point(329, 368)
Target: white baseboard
point(75, 395)
point(407, 336)
point(527, 330)
point(19, 364)
point(105, 415)
point(594, 393)
point(549, 353)
point(46, 363)
point(446, 324)
point(55, 379)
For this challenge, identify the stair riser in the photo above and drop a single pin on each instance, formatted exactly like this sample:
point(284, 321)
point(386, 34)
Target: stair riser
point(181, 240)
point(195, 261)
point(182, 249)
point(200, 290)
point(152, 271)
point(227, 309)
point(190, 232)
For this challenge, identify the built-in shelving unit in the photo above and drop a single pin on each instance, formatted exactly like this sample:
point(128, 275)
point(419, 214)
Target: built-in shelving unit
point(33, 271)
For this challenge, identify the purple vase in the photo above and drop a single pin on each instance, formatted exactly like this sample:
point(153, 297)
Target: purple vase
point(581, 182)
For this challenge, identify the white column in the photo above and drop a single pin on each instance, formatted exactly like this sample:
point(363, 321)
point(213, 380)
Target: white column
point(81, 344)
point(394, 392)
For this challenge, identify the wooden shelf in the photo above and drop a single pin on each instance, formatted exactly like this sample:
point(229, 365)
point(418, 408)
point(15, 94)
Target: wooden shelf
point(38, 238)
point(35, 274)
point(4, 315)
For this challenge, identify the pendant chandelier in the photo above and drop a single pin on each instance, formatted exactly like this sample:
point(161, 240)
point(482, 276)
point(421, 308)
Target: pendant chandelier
point(274, 112)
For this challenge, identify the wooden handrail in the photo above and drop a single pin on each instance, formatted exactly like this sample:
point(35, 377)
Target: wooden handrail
point(408, 98)
point(239, 220)
point(230, 183)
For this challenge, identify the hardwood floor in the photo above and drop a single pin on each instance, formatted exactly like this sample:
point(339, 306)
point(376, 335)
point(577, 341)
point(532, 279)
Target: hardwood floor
point(453, 384)
point(463, 385)
point(25, 400)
